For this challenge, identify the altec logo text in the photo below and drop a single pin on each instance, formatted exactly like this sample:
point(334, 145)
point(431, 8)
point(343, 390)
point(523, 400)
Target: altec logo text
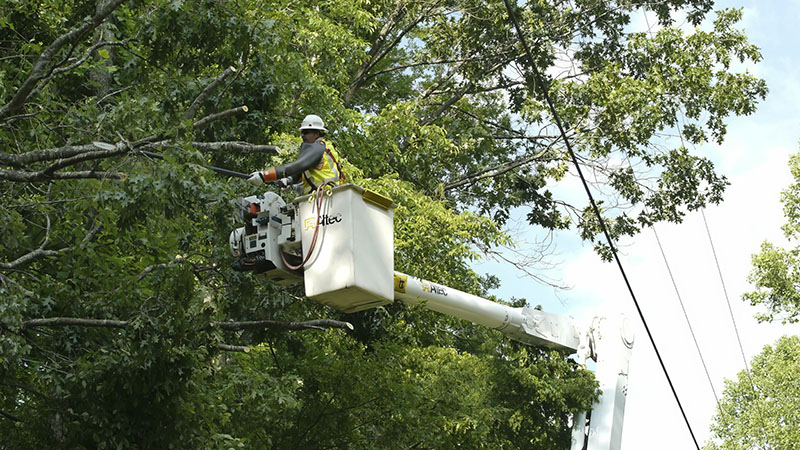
point(433, 288)
point(311, 222)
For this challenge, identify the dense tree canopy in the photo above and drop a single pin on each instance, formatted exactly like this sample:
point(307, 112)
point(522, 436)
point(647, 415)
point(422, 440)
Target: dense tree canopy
point(120, 318)
point(761, 408)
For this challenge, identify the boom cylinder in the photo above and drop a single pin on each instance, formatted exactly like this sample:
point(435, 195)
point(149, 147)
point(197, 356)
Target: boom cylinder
point(526, 325)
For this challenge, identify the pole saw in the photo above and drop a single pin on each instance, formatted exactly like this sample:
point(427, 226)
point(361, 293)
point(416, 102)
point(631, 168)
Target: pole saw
point(219, 170)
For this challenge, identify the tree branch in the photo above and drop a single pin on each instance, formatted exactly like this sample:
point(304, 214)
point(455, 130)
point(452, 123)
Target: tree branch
point(10, 416)
point(233, 348)
point(461, 92)
point(235, 146)
point(318, 324)
point(218, 116)
point(36, 254)
point(87, 156)
point(41, 252)
point(31, 177)
point(190, 113)
point(40, 69)
point(149, 269)
point(417, 64)
point(378, 51)
point(75, 64)
point(74, 321)
point(24, 388)
point(495, 171)
point(8, 281)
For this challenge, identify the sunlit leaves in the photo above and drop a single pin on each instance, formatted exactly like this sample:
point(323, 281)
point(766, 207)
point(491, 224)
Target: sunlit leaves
point(759, 408)
point(775, 274)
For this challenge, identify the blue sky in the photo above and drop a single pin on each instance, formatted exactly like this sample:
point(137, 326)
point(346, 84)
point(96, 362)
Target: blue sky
point(754, 156)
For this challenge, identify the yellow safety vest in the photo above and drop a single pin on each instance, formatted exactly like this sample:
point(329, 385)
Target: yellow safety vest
point(328, 169)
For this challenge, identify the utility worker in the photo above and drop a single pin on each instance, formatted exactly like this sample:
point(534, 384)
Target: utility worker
point(317, 162)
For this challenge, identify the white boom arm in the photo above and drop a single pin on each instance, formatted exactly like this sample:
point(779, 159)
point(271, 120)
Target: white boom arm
point(525, 325)
point(340, 246)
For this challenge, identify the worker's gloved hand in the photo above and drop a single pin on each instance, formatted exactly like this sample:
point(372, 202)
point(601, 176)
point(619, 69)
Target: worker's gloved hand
point(284, 183)
point(255, 179)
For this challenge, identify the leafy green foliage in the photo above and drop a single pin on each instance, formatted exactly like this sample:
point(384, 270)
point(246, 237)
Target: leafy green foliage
point(776, 271)
point(426, 105)
point(760, 408)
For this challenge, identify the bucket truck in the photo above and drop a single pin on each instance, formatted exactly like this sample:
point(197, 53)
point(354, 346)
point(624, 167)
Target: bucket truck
point(338, 242)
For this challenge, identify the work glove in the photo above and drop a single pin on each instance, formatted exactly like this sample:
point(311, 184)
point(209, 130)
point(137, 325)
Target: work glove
point(255, 179)
point(284, 183)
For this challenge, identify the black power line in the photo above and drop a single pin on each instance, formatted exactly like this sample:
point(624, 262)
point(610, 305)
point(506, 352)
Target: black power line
point(560, 126)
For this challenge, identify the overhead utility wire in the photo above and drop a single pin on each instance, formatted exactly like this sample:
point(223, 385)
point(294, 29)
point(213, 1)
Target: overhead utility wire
point(725, 291)
point(735, 328)
point(722, 281)
point(686, 316)
point(560, 126)
point(727, 298)
point(672, 278)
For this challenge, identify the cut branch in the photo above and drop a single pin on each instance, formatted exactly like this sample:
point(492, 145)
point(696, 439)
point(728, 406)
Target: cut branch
point(64, 153)
point(233, 348)
point(69, 151)
point(88, 156)
point(219, 116)
point(190, 113)
point(44, 155)
point(235, 146)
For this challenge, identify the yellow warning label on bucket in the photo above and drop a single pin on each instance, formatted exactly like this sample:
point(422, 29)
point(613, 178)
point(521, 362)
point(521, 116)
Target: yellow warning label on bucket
point(400, 283)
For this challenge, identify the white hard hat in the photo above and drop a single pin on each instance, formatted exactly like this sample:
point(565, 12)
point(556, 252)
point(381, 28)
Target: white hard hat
point(313, 122)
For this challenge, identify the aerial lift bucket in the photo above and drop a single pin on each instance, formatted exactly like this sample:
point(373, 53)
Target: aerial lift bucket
point(351, 264)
